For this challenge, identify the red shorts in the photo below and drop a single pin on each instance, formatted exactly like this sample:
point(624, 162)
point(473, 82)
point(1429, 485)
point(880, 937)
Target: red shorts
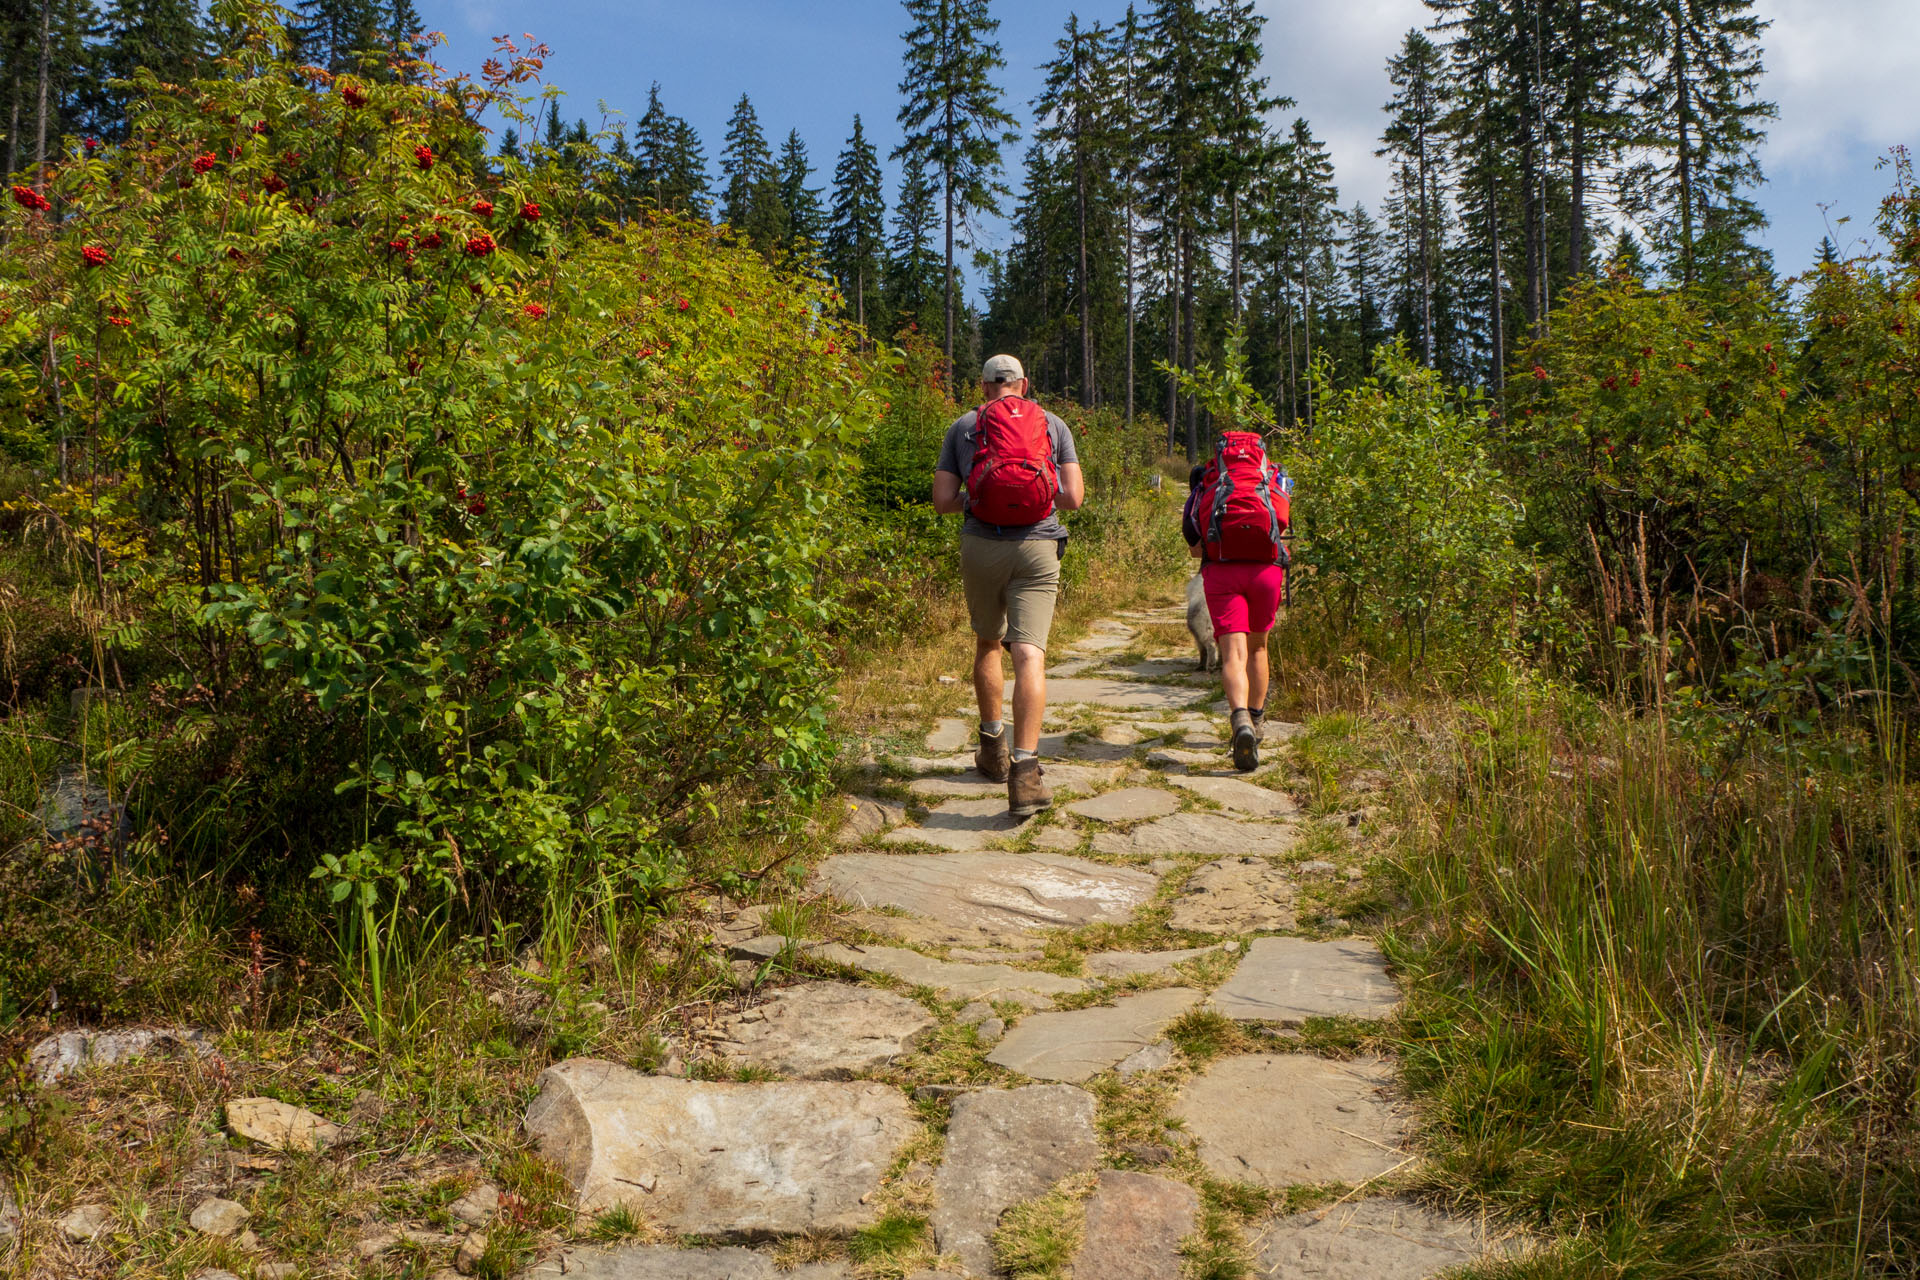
point(1242, 597)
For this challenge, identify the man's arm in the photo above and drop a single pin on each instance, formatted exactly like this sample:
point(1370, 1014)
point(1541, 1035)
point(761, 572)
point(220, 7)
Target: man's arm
point(1073, 488)
point(946, 494)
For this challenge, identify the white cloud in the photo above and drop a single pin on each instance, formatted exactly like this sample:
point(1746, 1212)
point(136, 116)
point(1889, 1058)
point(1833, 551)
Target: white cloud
point(1844, 76)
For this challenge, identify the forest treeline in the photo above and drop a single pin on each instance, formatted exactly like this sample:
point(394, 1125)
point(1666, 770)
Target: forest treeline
point(1165, 191)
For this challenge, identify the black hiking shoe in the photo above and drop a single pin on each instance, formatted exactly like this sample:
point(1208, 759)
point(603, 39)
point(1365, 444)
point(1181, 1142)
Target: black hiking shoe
point(993, 755)
point(1246, 743)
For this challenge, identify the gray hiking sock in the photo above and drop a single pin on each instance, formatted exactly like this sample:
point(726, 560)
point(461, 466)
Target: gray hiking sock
point(1021, 753)
point(993, 730)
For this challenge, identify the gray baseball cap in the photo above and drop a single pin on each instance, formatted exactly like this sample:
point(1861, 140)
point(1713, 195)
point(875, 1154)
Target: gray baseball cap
point(1002, 369)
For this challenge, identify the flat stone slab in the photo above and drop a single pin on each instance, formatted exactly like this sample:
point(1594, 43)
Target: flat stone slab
point(949, 736)
point(1005, 1146)
point(1080, 1044)
point(657, 1262)
point(1379, 1239)
point(965, 826)
point(824, 1030)
point(1183, 669)
point(1135, 1223)
point(59, 1056)
point(1105, 643)
point(1289, 980)
point(1060, 777)
point(1179, 760)
point(1283, 1119)
point(973, 981)
point(731, 1161)
point(958, 762)
point(1130, 804)
point(1122, 734)
point(1056, 746)
point(932, 933)
point(1239, 795)
point(1120, 695)
point(1128, 964)
point(990, 890)
point(1057, 839)
point(1235, 895)
point(1209, 833)
point(280, 1125)
point(1074, 667)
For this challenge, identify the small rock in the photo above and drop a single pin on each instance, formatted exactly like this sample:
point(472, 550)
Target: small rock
point(215, 1275)
point(593, 1009)
point(675, 1065)
point(58, 1056)
point(975, 1013)
point(1316, 867)
point(939, 1092)
point(948, 680)
point(87, 1222)
point(281, 1126)
point(477, 1207)
point(1120, 735)
point(367, 1109)
point(988, 1033)
point(9, 1214)
point(1147, 1153)
point(276, 1271)
point(375, 1243)
point(217, 1217)
point(1354, 874)
point(248, 1240)
point(467, 1260)
point(1151, 1058)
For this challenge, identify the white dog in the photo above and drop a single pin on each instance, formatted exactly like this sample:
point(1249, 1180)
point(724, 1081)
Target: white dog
point(1200, 622)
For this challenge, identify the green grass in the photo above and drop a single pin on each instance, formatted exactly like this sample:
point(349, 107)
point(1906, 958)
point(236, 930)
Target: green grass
point(1670, 1006)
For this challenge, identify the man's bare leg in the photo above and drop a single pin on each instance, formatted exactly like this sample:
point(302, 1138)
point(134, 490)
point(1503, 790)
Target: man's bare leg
point(1029, 694)
point(989, 682)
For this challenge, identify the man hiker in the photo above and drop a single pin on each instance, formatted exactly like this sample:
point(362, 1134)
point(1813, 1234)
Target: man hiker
point(1238, 511)
point(1019, 469)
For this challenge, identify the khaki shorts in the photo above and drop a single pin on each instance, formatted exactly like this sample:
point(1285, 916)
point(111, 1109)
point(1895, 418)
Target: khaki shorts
point(1011, 587)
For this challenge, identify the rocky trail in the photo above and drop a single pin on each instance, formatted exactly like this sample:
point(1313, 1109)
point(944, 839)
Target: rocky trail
point(1131, 1038)
point(1054, 1041)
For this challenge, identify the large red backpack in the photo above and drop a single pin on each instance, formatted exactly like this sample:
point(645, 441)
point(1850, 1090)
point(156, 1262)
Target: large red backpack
point(1013, 481)
point(1243, 505)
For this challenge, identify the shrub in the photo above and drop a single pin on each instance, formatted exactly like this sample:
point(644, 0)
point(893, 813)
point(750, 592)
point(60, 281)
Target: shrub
point(504, 527)
point(1405, 523)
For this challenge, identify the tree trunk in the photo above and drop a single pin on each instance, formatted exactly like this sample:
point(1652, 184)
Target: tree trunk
point(1426, 249)
point(1187, 295)
point(1306, 311)
point(46, 71)
point(1498, 307)
point(1582, 93)
point(1683, 109)
point(1234, 253)
point(1086, 302)
point(1173, 348)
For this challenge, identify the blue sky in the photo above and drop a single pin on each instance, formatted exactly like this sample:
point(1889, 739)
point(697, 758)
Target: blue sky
point(1842, 71)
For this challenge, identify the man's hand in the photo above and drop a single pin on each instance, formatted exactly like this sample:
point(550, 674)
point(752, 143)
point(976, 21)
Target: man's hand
point(946, 494)
point(1073, 488)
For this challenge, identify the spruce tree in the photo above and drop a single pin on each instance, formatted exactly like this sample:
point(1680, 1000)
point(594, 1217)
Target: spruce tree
point(913, 268)
point(1312, 200)
point(806, 220)
point(670, 167)
point(1698, 107)
point(1244, 150)
point(856, 224)
point(952, 119)
point(751, 202)
point(1414, 139)
point(333, 33)
point(1365, 266)
point(1070, 119)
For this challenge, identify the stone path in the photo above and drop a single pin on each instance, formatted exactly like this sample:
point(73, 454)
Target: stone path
point(989, 1011)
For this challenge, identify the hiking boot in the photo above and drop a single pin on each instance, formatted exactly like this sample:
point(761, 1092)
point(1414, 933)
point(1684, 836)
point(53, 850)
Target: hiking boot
point(1246, 743)
point(993, 754)
point(1026, 793)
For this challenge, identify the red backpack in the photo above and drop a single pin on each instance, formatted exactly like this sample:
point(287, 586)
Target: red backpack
point(1243, 504)
point(1013, 480)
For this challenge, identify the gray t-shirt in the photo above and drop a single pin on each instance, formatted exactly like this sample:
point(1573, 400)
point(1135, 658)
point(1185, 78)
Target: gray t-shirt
point(956, 458)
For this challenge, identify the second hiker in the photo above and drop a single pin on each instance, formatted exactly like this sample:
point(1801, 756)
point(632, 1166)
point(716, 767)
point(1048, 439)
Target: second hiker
point(1018, 467)
point(1238, 511)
